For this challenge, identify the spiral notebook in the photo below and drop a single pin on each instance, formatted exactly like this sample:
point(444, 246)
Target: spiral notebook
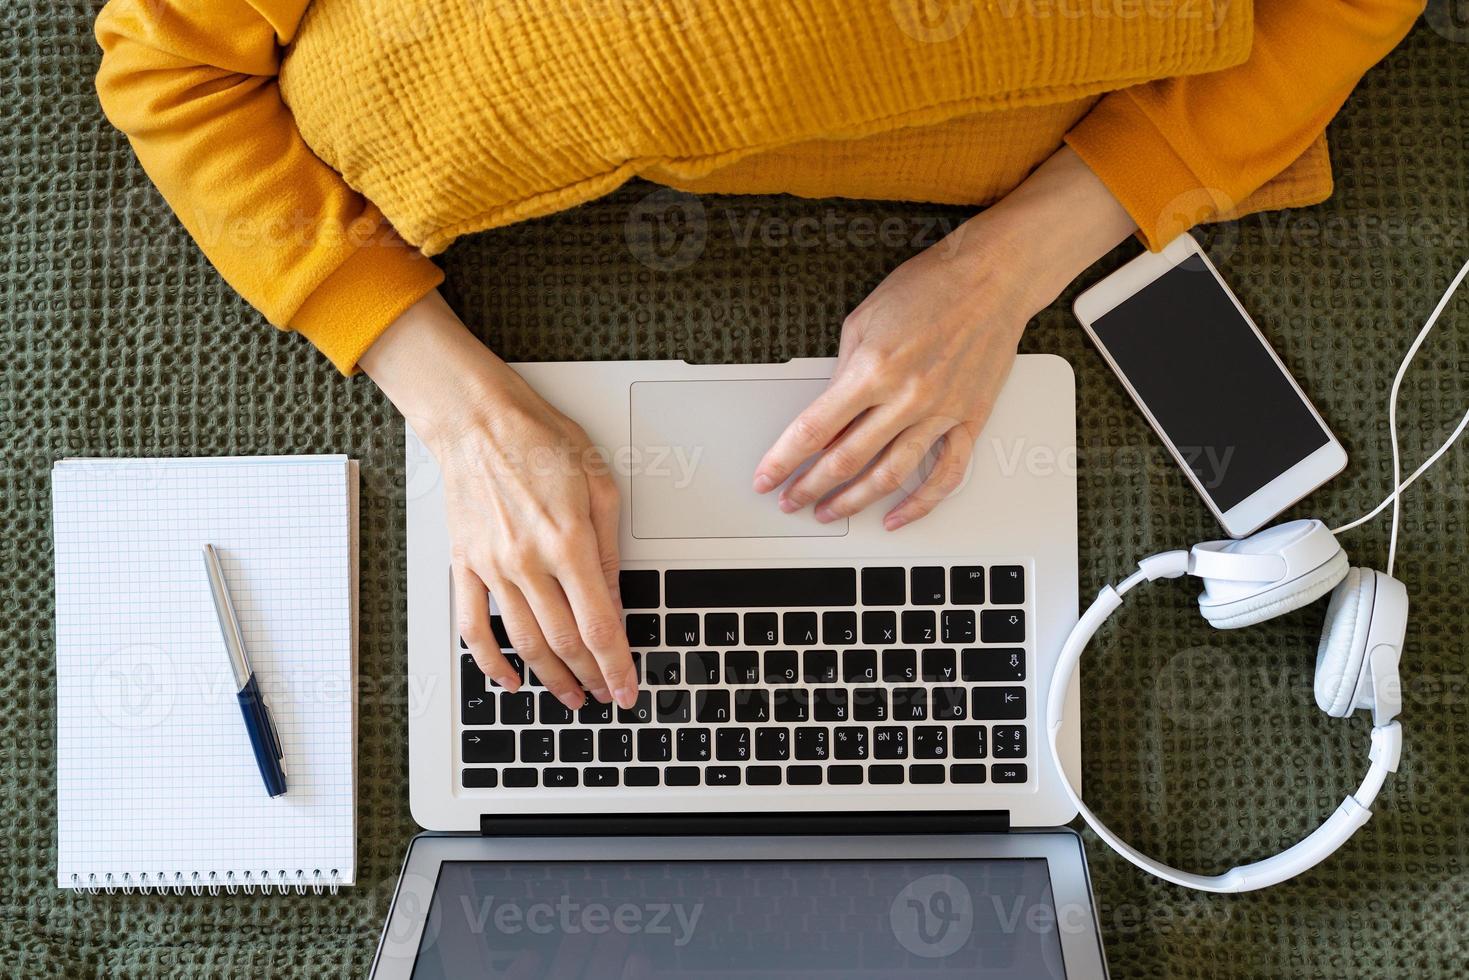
point(157, 787)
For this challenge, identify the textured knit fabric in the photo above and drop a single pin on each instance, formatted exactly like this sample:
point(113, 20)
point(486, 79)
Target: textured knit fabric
point(118, 339)
point(457, 116)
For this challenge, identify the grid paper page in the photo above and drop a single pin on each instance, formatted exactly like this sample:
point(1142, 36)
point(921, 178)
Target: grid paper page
point(155, 774)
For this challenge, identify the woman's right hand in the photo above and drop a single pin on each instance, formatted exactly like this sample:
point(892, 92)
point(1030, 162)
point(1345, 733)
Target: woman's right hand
point(531, 507)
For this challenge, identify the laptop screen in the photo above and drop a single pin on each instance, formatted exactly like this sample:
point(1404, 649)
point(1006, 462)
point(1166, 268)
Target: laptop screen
point(840, 918)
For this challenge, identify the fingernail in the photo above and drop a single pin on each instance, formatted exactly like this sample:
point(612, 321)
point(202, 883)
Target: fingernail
point(509, 682)
point(625, 697)
point(893, 523)
point(764, 484)
point(789, 506)
point(601, 695)
point(574, 701)
point(825, 515)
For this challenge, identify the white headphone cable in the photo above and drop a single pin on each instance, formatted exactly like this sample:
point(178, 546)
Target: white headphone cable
point(1392, 425)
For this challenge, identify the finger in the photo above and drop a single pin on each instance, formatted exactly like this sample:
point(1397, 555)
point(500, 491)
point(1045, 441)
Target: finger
point(472, 610)
point(845, 459)
point(611, 651)
point(525, 634)
point(811, 431)
point(887, 473)
point(558, 625)
point(948, 474)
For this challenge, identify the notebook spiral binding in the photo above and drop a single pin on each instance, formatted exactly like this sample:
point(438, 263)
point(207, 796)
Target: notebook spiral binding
point(250, 882)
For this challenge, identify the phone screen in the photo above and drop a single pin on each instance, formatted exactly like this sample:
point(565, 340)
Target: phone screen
point(1210, 382)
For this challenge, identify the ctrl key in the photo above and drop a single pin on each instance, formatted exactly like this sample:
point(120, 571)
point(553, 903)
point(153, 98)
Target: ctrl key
point(481, 778)
point(1008, 773)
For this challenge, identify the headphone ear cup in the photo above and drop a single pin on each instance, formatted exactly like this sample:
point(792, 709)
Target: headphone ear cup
point(1343, 647)
point(1279, 600)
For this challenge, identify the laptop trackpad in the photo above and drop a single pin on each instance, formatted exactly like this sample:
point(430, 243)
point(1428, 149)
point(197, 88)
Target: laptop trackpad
point(694, 448)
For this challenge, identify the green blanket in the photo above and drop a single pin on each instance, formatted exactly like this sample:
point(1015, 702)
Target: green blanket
point(117, 338)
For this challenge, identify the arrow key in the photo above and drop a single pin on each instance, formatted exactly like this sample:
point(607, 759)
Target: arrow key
point(480, 747)
point(999, 703)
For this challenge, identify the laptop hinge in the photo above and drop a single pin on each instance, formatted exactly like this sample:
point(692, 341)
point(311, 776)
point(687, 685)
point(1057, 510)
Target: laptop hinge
point(744, 824)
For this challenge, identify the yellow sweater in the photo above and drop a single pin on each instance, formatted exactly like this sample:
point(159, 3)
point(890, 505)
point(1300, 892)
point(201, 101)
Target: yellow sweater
point(317, 155)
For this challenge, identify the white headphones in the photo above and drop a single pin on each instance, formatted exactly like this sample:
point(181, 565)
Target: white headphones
point(1263, 576)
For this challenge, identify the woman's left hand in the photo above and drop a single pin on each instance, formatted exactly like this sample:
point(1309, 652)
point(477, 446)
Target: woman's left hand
point(923, 357)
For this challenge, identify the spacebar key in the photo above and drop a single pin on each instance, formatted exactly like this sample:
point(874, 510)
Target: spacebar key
point(736, 588)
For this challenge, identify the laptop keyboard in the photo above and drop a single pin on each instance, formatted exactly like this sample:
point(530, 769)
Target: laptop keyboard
point(842, 675)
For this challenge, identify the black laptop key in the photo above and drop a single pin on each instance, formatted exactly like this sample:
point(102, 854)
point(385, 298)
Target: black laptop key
point(884, 587)
point(803, 775)
point(517, 666)
point(640, 713)
point(761, 629)
point(537, 745)
point(643, 630)
point(899, 666)
point(839, 628)
point(553, 712)
point(655, 745)
point(1002, 626)
point(518, 708)
point(999, 703)
point(742, 588)
point(966, 585)
point(993, 664)
point(476, 707)
point(926, 774)
point(844, 775)
point(812, 744)
point(576, 745)
point(780, 667)
point(928, 586)
point(641, 776)
point(799, 628)
point(859, 666)
point(480, 778)
point(879, 627)
point(1007, 584)
point(772, 744)
point(639, 588)
point(830, 704)
point(968, 773)
point(762, 775)
point(674, 707)
point(910, 704)
point(947, 703)
point(722, 629)
point(559, 776)
point(752, 704)
point(595, 713)
point(920, 626)
point(711, 707)
point(851, 743)
point(599, 776)
point(890, 742)
point(939, 666)
point(884, 775)
point(869, 704)
point(682, 629)
point(681, 776)
point(471, 678)
point(520, 778)
point(930, 742)
point(742, 667)
point(695, 745)
point(792, 704)
point(1008, 772)
point(820, 666)
point(732, 744)
point(501, 635)
point(481, 747)
point(722, 776)
point(614, 745)
point(1009, 741)
point(969, 742)
point(957, 625)
point(663, 669)
point(702, 667)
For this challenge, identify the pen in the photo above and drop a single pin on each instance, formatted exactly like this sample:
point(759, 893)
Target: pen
point(263, 736)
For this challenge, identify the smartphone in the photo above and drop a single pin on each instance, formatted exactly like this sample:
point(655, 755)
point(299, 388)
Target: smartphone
point(1248, 438)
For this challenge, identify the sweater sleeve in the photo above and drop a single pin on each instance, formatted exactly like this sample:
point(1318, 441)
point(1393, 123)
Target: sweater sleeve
point(194, 88)
point(1183, 150)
